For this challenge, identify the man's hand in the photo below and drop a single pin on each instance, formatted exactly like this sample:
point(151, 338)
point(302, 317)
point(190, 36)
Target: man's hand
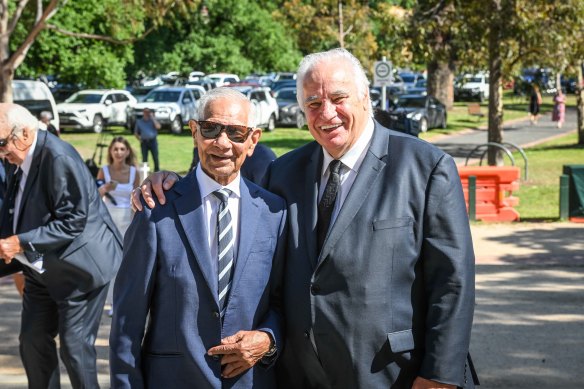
point(422, 383)
point(9, 247)
point(241, 351)
point(159, 182)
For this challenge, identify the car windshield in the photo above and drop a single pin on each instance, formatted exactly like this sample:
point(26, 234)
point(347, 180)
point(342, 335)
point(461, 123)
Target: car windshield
point(286, 95)
point(421, 83)
point(412, 102)
point(84, 98)
point(160, 96)
point(408, 77)
point(473, 79)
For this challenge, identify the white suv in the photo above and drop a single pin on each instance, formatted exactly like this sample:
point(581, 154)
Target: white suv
point(94, 108)
point(473, 87)
point(265, 105)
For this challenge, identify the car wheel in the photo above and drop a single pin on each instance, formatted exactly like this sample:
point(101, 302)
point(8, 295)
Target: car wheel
point(97, 124)
point(176, 125)
point(423, 125)
point(271, 123)
point(443, 122)
point(300, 120)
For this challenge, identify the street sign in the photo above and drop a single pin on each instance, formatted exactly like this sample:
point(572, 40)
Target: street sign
point(382, 74)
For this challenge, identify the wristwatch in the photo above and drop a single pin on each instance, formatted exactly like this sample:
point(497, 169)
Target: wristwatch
point(267, 357)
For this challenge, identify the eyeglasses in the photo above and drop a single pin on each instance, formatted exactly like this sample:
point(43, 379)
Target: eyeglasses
point(234, 132)
point(4, 142)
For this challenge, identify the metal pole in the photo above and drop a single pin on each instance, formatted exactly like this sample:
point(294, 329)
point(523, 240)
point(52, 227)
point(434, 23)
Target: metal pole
point(383, 93)
point(564, 197)
point(472, 198)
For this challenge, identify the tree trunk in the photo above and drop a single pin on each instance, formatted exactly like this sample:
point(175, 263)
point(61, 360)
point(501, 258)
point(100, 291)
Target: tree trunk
point(495, 93)
point(6, 76)
point(580, 104)
point(441, 81)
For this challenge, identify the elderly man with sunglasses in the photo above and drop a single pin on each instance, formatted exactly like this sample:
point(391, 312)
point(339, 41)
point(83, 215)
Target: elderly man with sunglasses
point(205, 269)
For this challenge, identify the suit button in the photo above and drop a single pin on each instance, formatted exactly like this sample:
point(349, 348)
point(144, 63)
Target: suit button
point(306, 334)
point(216, 314)
point(314, 289)
point(216, 357)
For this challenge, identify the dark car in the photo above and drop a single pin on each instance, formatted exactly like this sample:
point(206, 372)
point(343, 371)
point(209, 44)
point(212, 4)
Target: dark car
point(414, 114)
point(277, 85)
point(288, 105)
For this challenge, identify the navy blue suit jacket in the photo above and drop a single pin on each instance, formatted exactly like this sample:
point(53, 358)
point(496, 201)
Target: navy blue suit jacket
point(168, 275)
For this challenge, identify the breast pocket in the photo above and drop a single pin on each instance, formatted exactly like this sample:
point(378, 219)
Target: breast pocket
point(386, 224)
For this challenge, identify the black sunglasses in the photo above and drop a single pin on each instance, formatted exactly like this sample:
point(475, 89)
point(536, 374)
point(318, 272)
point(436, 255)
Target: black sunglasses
point(234, 132)
point(4, 142)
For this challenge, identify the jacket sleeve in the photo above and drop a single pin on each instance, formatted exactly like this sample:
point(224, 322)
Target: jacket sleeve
point(448, 266)
point(132, 292)
point(67, 192)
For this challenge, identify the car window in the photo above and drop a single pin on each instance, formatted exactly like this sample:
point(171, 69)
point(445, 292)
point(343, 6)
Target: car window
point(412, 102)
point(162, 96)
point(84, 98)
point(230, 80)
point(187, 96)
point(120, 97)
point(196, 93)
point(259, 96)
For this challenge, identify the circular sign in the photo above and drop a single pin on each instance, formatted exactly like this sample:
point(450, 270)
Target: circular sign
point(382, 69)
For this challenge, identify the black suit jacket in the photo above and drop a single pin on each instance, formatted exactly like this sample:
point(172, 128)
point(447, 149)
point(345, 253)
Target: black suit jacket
point(63, 220)
point(391, 294)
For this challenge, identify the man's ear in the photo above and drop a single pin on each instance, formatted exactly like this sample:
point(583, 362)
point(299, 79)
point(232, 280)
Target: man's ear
point(254, 137)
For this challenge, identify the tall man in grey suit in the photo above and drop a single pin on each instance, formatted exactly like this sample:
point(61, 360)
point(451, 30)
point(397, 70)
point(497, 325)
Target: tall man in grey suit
point(53, 217)
point(379, 277)
point(206, 268)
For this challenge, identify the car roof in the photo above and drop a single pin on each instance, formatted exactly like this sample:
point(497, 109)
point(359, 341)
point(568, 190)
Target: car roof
point(171, 88)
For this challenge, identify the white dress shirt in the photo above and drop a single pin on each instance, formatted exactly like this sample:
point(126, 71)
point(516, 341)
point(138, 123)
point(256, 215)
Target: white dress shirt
point(211, 206)
point(25, 167)
point(352, 161)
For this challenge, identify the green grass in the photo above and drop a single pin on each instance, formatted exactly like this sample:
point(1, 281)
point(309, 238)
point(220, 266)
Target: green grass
point(539, 195)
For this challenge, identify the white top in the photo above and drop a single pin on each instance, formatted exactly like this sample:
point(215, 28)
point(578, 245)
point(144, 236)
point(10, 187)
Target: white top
point(352, 161)
point(211, 206)
point(123, 190)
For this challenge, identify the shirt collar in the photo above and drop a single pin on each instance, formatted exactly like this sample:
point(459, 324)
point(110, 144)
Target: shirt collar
point(207, 185)
point(353, 158)
point(25, 165)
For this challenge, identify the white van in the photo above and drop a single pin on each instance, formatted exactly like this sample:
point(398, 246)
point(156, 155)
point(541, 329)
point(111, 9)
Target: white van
point(36, 97)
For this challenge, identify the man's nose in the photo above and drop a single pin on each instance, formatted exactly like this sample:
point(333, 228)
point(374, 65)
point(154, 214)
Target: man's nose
point(223, 141)
point(329, 110)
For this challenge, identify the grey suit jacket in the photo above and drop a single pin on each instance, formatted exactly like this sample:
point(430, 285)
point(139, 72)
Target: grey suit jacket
point(63, 220)
point(391, 294)
point(169, 276)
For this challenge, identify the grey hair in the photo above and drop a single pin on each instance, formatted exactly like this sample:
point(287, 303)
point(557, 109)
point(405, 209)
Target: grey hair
point(46, 115)
point(225, 93)
point(334, 55)
point(20, 118)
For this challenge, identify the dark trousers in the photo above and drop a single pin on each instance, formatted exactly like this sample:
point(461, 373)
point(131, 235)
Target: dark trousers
point(76, 321)
point(152, 145)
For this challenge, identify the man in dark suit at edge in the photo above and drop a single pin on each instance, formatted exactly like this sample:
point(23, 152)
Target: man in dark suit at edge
point(379, 277)
point(53, 217)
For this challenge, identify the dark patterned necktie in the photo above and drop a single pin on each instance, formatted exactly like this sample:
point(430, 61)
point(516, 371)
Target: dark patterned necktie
point(8, 210)
point(327, 202)
point(226, 240)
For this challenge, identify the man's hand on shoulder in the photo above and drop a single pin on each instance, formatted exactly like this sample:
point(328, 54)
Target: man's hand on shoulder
point(422, 383)
point(157, 182)
point(241, 351)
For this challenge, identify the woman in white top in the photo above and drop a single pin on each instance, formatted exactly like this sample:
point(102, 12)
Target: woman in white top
point(120, 178)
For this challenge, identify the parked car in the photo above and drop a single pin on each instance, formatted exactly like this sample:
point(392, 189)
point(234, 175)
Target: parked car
point(288, 105)
point(36, 97)
point(265, 105)
point(172, 107)
point(472, 87)
point(410, 79)
point(414, 114)
point(421, 88)
point(277, 85)
point(223, 79)
point(195, 76)
point(93, 109)
point(397, 86)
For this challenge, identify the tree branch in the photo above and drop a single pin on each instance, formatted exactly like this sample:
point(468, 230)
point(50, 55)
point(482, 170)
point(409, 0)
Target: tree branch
point(16, 16)
point(99, 37)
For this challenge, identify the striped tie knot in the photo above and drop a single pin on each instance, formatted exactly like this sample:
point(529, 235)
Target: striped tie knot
point(222, 194)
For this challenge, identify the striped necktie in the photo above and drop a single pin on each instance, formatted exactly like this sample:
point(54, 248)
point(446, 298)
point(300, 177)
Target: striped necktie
point(226, 240)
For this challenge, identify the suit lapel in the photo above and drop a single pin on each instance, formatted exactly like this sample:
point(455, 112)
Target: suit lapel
point(189, 207)
point(248, 223)
point(309, 203)
point(32, 173)
point(366, 177)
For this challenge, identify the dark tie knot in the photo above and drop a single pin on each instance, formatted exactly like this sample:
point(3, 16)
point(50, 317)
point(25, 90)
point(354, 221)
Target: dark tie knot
point(335, 166)
point(222, 194)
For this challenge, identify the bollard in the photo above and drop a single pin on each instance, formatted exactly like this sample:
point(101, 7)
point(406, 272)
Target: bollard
point(564, 197)
point(143, 170)
point(472, 198)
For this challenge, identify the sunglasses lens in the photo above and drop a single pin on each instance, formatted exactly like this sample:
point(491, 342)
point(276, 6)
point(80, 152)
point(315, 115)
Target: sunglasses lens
point(235, 133)
point(210, 130)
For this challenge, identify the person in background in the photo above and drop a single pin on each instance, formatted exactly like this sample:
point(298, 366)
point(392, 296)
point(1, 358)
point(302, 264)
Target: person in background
point(254, 168)
point(146, 130)
point(197, 298)
point(534, 104)
point(379, 277)
point(55, 228)
point(559, 112)
point(45, 118)
point(119, 178)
